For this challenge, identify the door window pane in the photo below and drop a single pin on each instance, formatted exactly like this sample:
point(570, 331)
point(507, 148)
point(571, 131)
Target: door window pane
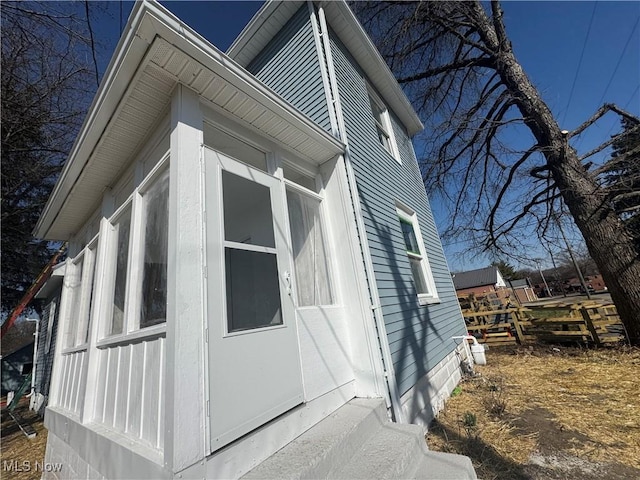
point(253, 291)
point(153, 307)
point(310, 260)
point(247, 211)
point(122, 228)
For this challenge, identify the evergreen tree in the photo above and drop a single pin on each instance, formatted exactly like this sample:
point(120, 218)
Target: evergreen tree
point(623, 176)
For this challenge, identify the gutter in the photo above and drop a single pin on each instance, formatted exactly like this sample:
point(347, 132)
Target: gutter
point(389, 374)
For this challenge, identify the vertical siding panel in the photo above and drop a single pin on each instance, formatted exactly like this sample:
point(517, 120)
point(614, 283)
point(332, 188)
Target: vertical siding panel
point(103, 379)
point(134, 409)
point(65, 381)
point(73, 382)
point(150, 394)
point(122, 393)
point(161, 399)
point(112, 386)
point(79, 381)
point(421, 335)
point(70, 381)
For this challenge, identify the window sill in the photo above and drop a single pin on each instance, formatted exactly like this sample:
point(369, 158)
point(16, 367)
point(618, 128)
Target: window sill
point(428, 300)
point(79, 348)
point(132, 337)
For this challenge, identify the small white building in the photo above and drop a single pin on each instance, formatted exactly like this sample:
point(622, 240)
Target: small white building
point(251, 248)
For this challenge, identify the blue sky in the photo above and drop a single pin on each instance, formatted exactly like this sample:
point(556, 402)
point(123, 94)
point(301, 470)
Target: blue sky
point(578, 54)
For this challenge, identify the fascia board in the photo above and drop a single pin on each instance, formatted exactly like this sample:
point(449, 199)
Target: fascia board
point(374, 65)
point(257, 21)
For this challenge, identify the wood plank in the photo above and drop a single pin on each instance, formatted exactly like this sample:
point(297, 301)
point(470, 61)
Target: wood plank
point(122, 388)
point(26, 428)
point(136, 380)
point(151, 391)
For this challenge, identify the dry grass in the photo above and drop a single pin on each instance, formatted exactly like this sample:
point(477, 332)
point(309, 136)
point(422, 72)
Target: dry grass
point(554, 402)
point(17, 447)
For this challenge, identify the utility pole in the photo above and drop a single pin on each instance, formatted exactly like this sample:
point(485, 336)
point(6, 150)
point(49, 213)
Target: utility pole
point(546, 286)
point(573, 258)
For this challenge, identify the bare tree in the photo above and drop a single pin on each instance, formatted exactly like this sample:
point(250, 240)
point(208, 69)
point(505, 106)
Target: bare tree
point(49, 75)
point(493, 148)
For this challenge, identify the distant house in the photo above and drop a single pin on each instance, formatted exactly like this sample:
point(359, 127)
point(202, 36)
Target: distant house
point(17, 355)
point(524, 290)
point(251, 249)
point(45, 345)
point(481, 282)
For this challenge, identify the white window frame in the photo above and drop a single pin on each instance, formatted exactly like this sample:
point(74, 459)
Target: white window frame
point(135, 260)
point(312, 173)
point(409, 216)
point(384, 127)
point(72, 340)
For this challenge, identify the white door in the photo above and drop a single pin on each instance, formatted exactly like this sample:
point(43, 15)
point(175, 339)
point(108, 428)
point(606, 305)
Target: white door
point(254, 369)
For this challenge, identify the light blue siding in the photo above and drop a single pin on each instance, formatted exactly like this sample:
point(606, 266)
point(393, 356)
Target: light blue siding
point(289, 65)
point(419, 336)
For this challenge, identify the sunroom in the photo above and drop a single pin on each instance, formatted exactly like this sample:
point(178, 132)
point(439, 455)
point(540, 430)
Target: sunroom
point(205, 294)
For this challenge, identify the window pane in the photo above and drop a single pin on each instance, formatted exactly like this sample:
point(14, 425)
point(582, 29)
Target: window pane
point(409, 234)
point(123, 228)
point(247, 211)
point(377, 111)
point(153, 308)
point(75, 294)
point(311, 264)
point(418, 275)
point(87, 294)
point(234, 147)
point(299, 178)
point(253, 291)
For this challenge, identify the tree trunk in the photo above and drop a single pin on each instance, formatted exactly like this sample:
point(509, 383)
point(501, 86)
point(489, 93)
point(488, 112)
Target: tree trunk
point(609, 243)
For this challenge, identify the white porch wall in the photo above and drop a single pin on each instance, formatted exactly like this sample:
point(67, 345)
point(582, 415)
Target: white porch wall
point(185, 421)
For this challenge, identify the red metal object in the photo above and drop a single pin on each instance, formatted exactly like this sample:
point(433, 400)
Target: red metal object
point(33, 289)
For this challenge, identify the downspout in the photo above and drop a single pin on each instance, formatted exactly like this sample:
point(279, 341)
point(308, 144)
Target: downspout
point(34, 363)
point(334, 104)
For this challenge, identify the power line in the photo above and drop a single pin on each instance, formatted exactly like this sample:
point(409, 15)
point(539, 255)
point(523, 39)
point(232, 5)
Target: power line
point(575, 78)
point(615, 70)
point(631, 97)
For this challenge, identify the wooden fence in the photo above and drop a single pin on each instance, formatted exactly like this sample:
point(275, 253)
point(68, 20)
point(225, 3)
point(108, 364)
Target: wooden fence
point(586, 322)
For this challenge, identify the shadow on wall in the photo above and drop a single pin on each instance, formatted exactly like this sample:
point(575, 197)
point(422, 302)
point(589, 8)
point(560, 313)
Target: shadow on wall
point(410, 350)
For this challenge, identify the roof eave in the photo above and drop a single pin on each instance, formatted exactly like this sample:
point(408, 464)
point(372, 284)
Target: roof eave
point(147, 21)
point(372, 62)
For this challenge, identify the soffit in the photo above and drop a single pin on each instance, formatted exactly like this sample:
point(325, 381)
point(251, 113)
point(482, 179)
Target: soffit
point(160, 52)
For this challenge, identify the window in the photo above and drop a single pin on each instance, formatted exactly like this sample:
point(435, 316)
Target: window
point(310, 257)
point(138, 257)
point(383, 125)
point(153, 304)
point(122, 229)
point(79, 281)
point(420, 269)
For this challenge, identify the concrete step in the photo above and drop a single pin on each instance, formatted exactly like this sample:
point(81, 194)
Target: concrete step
point(358, 441)
point(393, 452)
point(444, 466)
point(326, 446)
